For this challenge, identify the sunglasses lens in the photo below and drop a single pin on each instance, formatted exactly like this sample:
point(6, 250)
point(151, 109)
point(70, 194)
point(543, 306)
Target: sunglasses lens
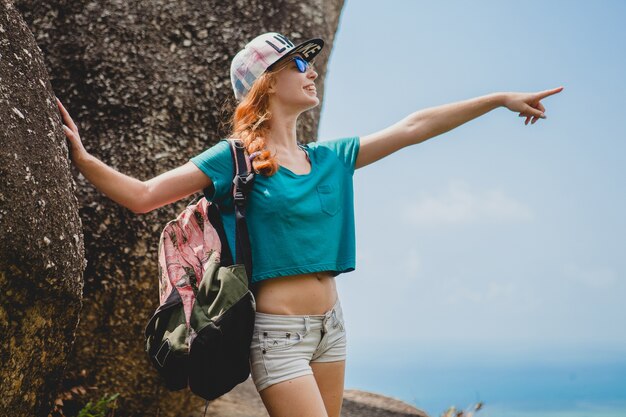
point(302, 64)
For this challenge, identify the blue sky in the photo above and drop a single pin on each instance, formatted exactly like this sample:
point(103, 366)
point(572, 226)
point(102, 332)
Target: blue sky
point(495, 240)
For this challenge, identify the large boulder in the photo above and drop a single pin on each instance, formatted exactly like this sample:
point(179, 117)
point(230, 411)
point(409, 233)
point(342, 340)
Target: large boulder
point(41, 238)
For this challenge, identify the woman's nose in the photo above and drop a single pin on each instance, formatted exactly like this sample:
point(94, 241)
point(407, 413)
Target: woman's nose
point(312, 74)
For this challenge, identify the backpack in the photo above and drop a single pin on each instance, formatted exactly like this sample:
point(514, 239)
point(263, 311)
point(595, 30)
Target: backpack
point(199, 336)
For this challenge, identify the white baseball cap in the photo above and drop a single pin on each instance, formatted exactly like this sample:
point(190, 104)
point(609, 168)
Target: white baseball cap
point(263, 53)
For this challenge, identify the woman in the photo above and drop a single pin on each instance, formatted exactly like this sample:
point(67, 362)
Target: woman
point(300, 211)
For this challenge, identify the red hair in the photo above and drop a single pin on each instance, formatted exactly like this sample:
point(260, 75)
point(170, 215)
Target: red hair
point(250, 122)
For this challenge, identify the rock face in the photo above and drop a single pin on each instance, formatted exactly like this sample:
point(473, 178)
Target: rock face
point(358, 403)
point(147, 83)
point(244, 401)
point(41, 239)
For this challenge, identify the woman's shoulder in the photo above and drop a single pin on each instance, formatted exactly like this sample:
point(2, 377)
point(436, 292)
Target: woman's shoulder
point(335, 144)
point(217, 150)
point(216, 162)
point(345, 149)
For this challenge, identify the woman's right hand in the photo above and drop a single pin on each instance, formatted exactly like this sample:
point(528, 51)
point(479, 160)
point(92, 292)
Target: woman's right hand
point(77, 150)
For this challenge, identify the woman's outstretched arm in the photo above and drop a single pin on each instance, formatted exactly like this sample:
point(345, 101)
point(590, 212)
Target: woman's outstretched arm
point(136, 195)
point(433, 121)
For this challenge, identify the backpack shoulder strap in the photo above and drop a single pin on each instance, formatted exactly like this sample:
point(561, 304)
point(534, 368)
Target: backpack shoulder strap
point(243, 181)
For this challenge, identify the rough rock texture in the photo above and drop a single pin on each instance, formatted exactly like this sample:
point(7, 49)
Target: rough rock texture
point(244, 401)
point(41, 239)
point(368, 404)
point(147, 82)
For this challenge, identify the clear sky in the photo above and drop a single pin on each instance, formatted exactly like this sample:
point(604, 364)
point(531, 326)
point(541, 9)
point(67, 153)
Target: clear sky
point(496, 239)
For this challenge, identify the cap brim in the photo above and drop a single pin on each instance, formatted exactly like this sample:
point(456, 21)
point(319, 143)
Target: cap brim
point(307, 50)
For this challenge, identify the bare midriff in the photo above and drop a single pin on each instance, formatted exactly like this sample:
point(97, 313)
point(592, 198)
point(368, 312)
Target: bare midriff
point(303, 294)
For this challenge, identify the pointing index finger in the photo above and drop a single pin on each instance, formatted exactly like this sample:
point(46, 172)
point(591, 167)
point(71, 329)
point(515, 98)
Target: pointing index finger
point(547, 93)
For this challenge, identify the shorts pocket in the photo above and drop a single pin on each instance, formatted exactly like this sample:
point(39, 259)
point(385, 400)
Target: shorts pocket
point(329, 196)
point(278, 340)
point(339, 323)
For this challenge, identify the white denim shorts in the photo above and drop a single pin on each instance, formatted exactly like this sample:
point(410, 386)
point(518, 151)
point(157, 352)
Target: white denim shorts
point(284, 345)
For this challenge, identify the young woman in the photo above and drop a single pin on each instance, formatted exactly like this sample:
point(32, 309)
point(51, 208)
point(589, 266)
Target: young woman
point(299, 213)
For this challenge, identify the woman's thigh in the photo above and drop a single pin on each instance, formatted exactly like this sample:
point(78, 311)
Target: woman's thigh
point(329, 364)
point(330, 380)
point(295, 397)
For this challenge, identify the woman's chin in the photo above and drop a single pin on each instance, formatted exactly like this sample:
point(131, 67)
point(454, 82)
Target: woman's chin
point(314, 102)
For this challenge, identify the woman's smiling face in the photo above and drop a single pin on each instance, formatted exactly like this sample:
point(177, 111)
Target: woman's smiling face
point(295, 89)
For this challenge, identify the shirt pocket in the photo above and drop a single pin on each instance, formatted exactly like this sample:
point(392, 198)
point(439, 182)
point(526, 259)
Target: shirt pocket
point(329, 195)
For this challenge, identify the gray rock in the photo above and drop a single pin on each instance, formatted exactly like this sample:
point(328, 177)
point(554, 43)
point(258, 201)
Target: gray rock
point(41, 239)
point(244, 401)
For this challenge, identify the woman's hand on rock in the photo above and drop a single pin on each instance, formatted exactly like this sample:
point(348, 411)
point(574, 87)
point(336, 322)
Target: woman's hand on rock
point(77, 150)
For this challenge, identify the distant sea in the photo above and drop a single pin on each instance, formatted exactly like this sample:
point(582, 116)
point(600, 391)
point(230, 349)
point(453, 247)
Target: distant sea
point(507, 389)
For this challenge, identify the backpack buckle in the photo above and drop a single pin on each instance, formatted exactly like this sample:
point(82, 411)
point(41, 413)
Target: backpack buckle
point(163, 353)
point(243, 185)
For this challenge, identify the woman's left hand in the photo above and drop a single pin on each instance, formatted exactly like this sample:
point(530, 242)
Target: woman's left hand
point(528, 104)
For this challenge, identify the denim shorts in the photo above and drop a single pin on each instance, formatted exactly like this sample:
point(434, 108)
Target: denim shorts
point(284, 345)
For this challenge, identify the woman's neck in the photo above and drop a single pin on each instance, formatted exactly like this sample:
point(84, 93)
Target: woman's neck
point(282, 136)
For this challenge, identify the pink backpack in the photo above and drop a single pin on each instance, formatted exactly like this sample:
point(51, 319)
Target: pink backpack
point(199, 336)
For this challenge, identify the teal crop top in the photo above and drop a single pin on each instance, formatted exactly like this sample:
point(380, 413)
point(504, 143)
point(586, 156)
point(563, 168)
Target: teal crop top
point(297, 223)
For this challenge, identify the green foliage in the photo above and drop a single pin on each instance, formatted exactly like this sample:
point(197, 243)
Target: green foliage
point(453, 412)
point(101, 408)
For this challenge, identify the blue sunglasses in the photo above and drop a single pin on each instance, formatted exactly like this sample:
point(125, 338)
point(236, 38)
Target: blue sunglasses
point(302, 65)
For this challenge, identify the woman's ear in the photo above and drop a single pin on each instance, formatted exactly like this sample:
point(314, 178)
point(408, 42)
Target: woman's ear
point(272, 86)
